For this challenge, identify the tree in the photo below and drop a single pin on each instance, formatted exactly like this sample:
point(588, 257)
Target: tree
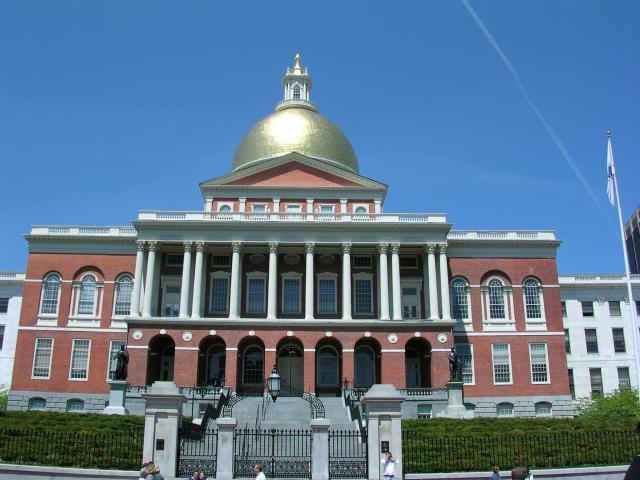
point(619, 403)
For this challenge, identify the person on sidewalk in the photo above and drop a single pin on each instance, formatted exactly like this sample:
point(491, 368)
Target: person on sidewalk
point(258, 471)
point(389, 466)
point(496, 473)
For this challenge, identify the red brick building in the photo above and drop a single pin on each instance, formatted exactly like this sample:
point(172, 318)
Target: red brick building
point(293, 261)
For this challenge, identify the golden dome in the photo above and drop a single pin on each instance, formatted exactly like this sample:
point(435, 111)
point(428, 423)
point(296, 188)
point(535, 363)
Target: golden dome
point(296, 128)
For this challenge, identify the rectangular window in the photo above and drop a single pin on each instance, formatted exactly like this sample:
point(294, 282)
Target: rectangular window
point(362, 261)
point(219, 294)
point(114, 348)
point(4, 305)
point(539, 362)
point(637, 307)
point(624, 381)
point(171, 301)
point(259, 208)
point(173, 260)
point(255, 295)
point(501, 363)
point(326, 296)
point(424, 411)
point(618, 340)
point(79, 360)
point(290, 296)
point(567, 341)
point(1, 336)
point(591, 339)
point(326, 208)
point(564, 309)
point(614, 308)
point(362, 296)
point(409, 261)
point(220, 260)
point(587, 309)
point(595, 375)
point(42, 358)
point(465, 354)
point(572, 387)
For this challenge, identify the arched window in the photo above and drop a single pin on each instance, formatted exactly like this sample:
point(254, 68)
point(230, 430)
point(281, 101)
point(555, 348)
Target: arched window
point(532, 303)
point(543, 409)
point(87, 295)
point(124, 287)
point(50, 294)
point(252, 366)
point(37, 403)
point(216, 363)
point(327, 366)
point(460, 298)
point(504, 409)
point(361, 210)
point(224, 209)
point(496, 299)
point(75, 405)
point(296, 92)
point(365, 366)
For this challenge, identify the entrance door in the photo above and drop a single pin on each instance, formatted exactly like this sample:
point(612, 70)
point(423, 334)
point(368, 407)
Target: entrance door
point(412, 366)
point(291, 368)
point(410, 300)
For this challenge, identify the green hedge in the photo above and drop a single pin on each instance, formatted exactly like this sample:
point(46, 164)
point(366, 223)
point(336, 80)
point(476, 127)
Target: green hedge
point(443, 445)
point(71, 422)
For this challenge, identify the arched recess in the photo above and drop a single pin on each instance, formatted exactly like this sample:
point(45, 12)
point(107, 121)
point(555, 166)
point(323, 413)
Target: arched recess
point(290, 364)
point(161, 359)
point(366, 359)
point(328, 367)
point(417, 360)
point(250, 369)
point(212, 360)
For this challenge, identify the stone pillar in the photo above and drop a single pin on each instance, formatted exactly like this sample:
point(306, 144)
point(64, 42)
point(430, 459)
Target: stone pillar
point(395, 281)
point(320, 449)
point(343, 209)
point(161, 424)
point(186, 281)
point(117, 398)
point(382, 405)
point(384, 282)
point(455, 402)
point(230, 370)
point(425, 285)
point(234, 286)
point(346, 281)
point(137, 280)
point(242, 205)
point(272, 299)
point(149, 279)
point(308, 281)
point(309, 208)
point(196, 304)
point(444, 282)
point(433, 283)
point(225, 453)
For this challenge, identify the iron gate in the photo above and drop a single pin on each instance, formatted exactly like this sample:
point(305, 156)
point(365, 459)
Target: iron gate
point(347, 454)
point(197, 452)
point(283, 453)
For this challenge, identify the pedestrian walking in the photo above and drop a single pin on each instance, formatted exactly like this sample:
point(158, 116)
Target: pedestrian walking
point(389, 466)
point(258, 471)
point(496, 473)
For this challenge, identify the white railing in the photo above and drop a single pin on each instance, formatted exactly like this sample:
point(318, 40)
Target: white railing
point(293, 217)
point(83, 231)
point(11, 275)
point(588, 278)
point(500, 235)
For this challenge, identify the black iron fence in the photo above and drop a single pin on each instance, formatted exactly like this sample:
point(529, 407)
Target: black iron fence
point(283, 453)
point(424, 454)
point(347, 454)
point(121, 450)
point(198, 454)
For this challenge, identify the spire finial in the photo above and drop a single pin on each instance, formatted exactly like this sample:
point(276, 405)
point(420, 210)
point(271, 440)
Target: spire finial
point(297, 68)
point(609, 134)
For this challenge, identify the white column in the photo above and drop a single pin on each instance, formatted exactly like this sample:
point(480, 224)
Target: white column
point(395, 281)
point(242, 205)
point(346, 281)
point(148, 288)
point(444, 282)
point(309, 279)
point(197, 281)
point(377, 206)
point(275, 215)
point(235, 284)
point(384, 282)
point(425, 285)
point(309, 208)
point(137, 280)
point(433, 283)
point(273, 281)
point(343, 209)
point(186, 280)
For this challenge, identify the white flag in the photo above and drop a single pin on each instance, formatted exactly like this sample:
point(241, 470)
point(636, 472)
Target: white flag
point(611, 171)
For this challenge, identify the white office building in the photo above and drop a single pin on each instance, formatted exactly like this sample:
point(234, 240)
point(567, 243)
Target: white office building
point(11, 284)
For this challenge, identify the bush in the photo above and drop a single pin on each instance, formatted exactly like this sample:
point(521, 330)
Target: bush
point(620, 404)
point(4, 397)
point(71, 422)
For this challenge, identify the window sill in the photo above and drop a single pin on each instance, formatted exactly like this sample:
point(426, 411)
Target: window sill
point(84, 322)
point(47, 322)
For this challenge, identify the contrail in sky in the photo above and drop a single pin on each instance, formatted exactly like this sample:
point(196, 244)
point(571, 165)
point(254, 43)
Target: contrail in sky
point(550, 131)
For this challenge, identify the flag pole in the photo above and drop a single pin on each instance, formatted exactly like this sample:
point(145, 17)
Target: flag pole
point(632, 305)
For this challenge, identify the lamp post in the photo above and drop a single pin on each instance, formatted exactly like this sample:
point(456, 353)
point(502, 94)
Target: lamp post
point(273, 383)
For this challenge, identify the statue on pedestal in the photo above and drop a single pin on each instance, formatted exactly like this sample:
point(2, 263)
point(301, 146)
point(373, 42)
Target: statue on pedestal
point(455, 366)
point(122, 360)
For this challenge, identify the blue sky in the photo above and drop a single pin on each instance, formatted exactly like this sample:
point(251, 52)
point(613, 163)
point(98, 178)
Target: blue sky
point(111, 107)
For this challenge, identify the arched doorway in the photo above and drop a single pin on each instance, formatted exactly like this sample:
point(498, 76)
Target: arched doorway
point(160, 360)
point(366, 363)
point(417, 361)
point(290, 363)
point(328, 368)
point(212, 360)
point(251, 367)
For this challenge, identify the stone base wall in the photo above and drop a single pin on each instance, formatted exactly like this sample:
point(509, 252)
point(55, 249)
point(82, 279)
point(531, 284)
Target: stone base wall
point(561, 407)
point(57, 401)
